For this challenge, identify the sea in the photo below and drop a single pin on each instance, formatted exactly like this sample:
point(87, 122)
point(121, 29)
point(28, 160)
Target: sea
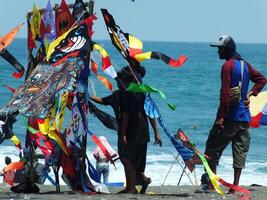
point(194, 89)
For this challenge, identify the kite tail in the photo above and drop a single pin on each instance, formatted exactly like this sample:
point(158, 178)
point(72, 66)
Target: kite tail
point(13, 61)
point(153, 112)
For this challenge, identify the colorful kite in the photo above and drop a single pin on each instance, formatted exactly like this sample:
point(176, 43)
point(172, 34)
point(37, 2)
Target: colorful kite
point(104, 80)
point(71, 43)
point(14, 62)
point(4, 42)
point(30, 39)
point(48, 28)
point(258, 110)
point(35, 23)
point(153, 112)
point(131, 48)
point(106, 63)
point(64, 19)
point(6, 126)
point(9, 37)
point(215, 179)
point(107, 67)
point(36, 95)
point(79, 11)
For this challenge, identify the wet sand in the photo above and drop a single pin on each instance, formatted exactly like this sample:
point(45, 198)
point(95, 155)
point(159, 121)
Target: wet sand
point(153, 192)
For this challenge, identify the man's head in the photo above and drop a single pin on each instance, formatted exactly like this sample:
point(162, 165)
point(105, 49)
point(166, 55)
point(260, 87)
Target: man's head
point(7, 160)
point(127, 75)
point(226, 46)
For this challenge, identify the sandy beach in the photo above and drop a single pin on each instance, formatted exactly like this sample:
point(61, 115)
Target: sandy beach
point(153, 192)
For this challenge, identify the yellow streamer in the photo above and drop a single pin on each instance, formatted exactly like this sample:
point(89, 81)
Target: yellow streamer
point(15, 140)
point(55, 43)
point(57, 121)
point(143, 56)
point(55, 137)
point(213, 177)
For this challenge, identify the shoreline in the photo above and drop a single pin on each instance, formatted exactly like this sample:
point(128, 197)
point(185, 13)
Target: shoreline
point(153, 192)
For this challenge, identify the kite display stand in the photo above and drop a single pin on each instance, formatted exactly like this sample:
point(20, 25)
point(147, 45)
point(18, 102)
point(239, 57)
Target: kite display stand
point(176, 159)
point(90, 6)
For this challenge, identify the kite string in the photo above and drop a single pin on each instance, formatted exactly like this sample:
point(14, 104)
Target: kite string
point(78, 19)
point(134, 74)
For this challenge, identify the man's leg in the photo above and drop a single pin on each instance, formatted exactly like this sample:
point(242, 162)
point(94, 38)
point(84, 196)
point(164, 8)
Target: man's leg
point(240, 147)
point(124, 162)
point(99, 170)
point(216, 143)
point(105, 173)
point(237, 174)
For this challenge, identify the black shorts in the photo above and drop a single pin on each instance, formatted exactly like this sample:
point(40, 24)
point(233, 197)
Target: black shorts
point(235, 132)
point(136, 153)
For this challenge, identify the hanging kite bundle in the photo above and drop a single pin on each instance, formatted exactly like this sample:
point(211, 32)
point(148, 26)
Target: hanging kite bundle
point(66, 47)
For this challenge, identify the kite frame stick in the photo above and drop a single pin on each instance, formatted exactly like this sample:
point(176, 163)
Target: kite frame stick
point(188, 176)
point(168, 172)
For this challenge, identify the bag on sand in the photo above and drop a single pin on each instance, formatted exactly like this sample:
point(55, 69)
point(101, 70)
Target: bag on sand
point(26, 187)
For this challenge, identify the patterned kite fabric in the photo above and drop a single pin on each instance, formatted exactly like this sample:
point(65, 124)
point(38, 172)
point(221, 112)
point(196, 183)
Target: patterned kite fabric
point(36, 95)
point(258, 110)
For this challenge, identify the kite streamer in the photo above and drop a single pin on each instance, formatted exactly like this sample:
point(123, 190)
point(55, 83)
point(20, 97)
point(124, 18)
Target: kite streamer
point(134, 87)
point(153, 112)
point(131, 48)
point(9, 37)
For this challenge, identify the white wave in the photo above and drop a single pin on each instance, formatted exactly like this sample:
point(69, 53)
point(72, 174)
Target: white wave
point(163, 168)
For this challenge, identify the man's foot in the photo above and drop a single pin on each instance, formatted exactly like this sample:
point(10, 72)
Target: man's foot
point(145, 185)
point(133, 191)
point(204, 188)
point(206, 185)
point(231, 191)
point(123, 191)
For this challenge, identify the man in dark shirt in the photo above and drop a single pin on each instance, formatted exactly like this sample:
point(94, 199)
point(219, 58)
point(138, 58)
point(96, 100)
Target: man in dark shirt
point(232, 121)
point(133, 134)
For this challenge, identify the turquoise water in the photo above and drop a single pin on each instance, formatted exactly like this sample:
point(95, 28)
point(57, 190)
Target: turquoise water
point(194, 88)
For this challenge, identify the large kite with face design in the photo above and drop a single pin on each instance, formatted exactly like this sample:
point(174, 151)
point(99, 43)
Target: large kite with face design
point(36, 95)
point(74, 42)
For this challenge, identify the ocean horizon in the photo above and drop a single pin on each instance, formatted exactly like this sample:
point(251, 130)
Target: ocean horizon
point(194, 89)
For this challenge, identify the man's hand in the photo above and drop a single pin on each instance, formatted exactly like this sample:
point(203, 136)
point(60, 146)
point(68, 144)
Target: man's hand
point(123, 140)
point(247, 102)
point(219, 123)
point(158, 140)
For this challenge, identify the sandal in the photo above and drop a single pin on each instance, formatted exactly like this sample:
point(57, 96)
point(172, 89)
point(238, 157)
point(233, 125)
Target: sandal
point(145, 185)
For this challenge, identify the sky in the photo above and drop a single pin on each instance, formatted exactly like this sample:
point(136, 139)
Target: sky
point(163, 20)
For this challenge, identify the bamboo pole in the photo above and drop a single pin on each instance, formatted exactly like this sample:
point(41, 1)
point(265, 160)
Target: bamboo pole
point(84, 137)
